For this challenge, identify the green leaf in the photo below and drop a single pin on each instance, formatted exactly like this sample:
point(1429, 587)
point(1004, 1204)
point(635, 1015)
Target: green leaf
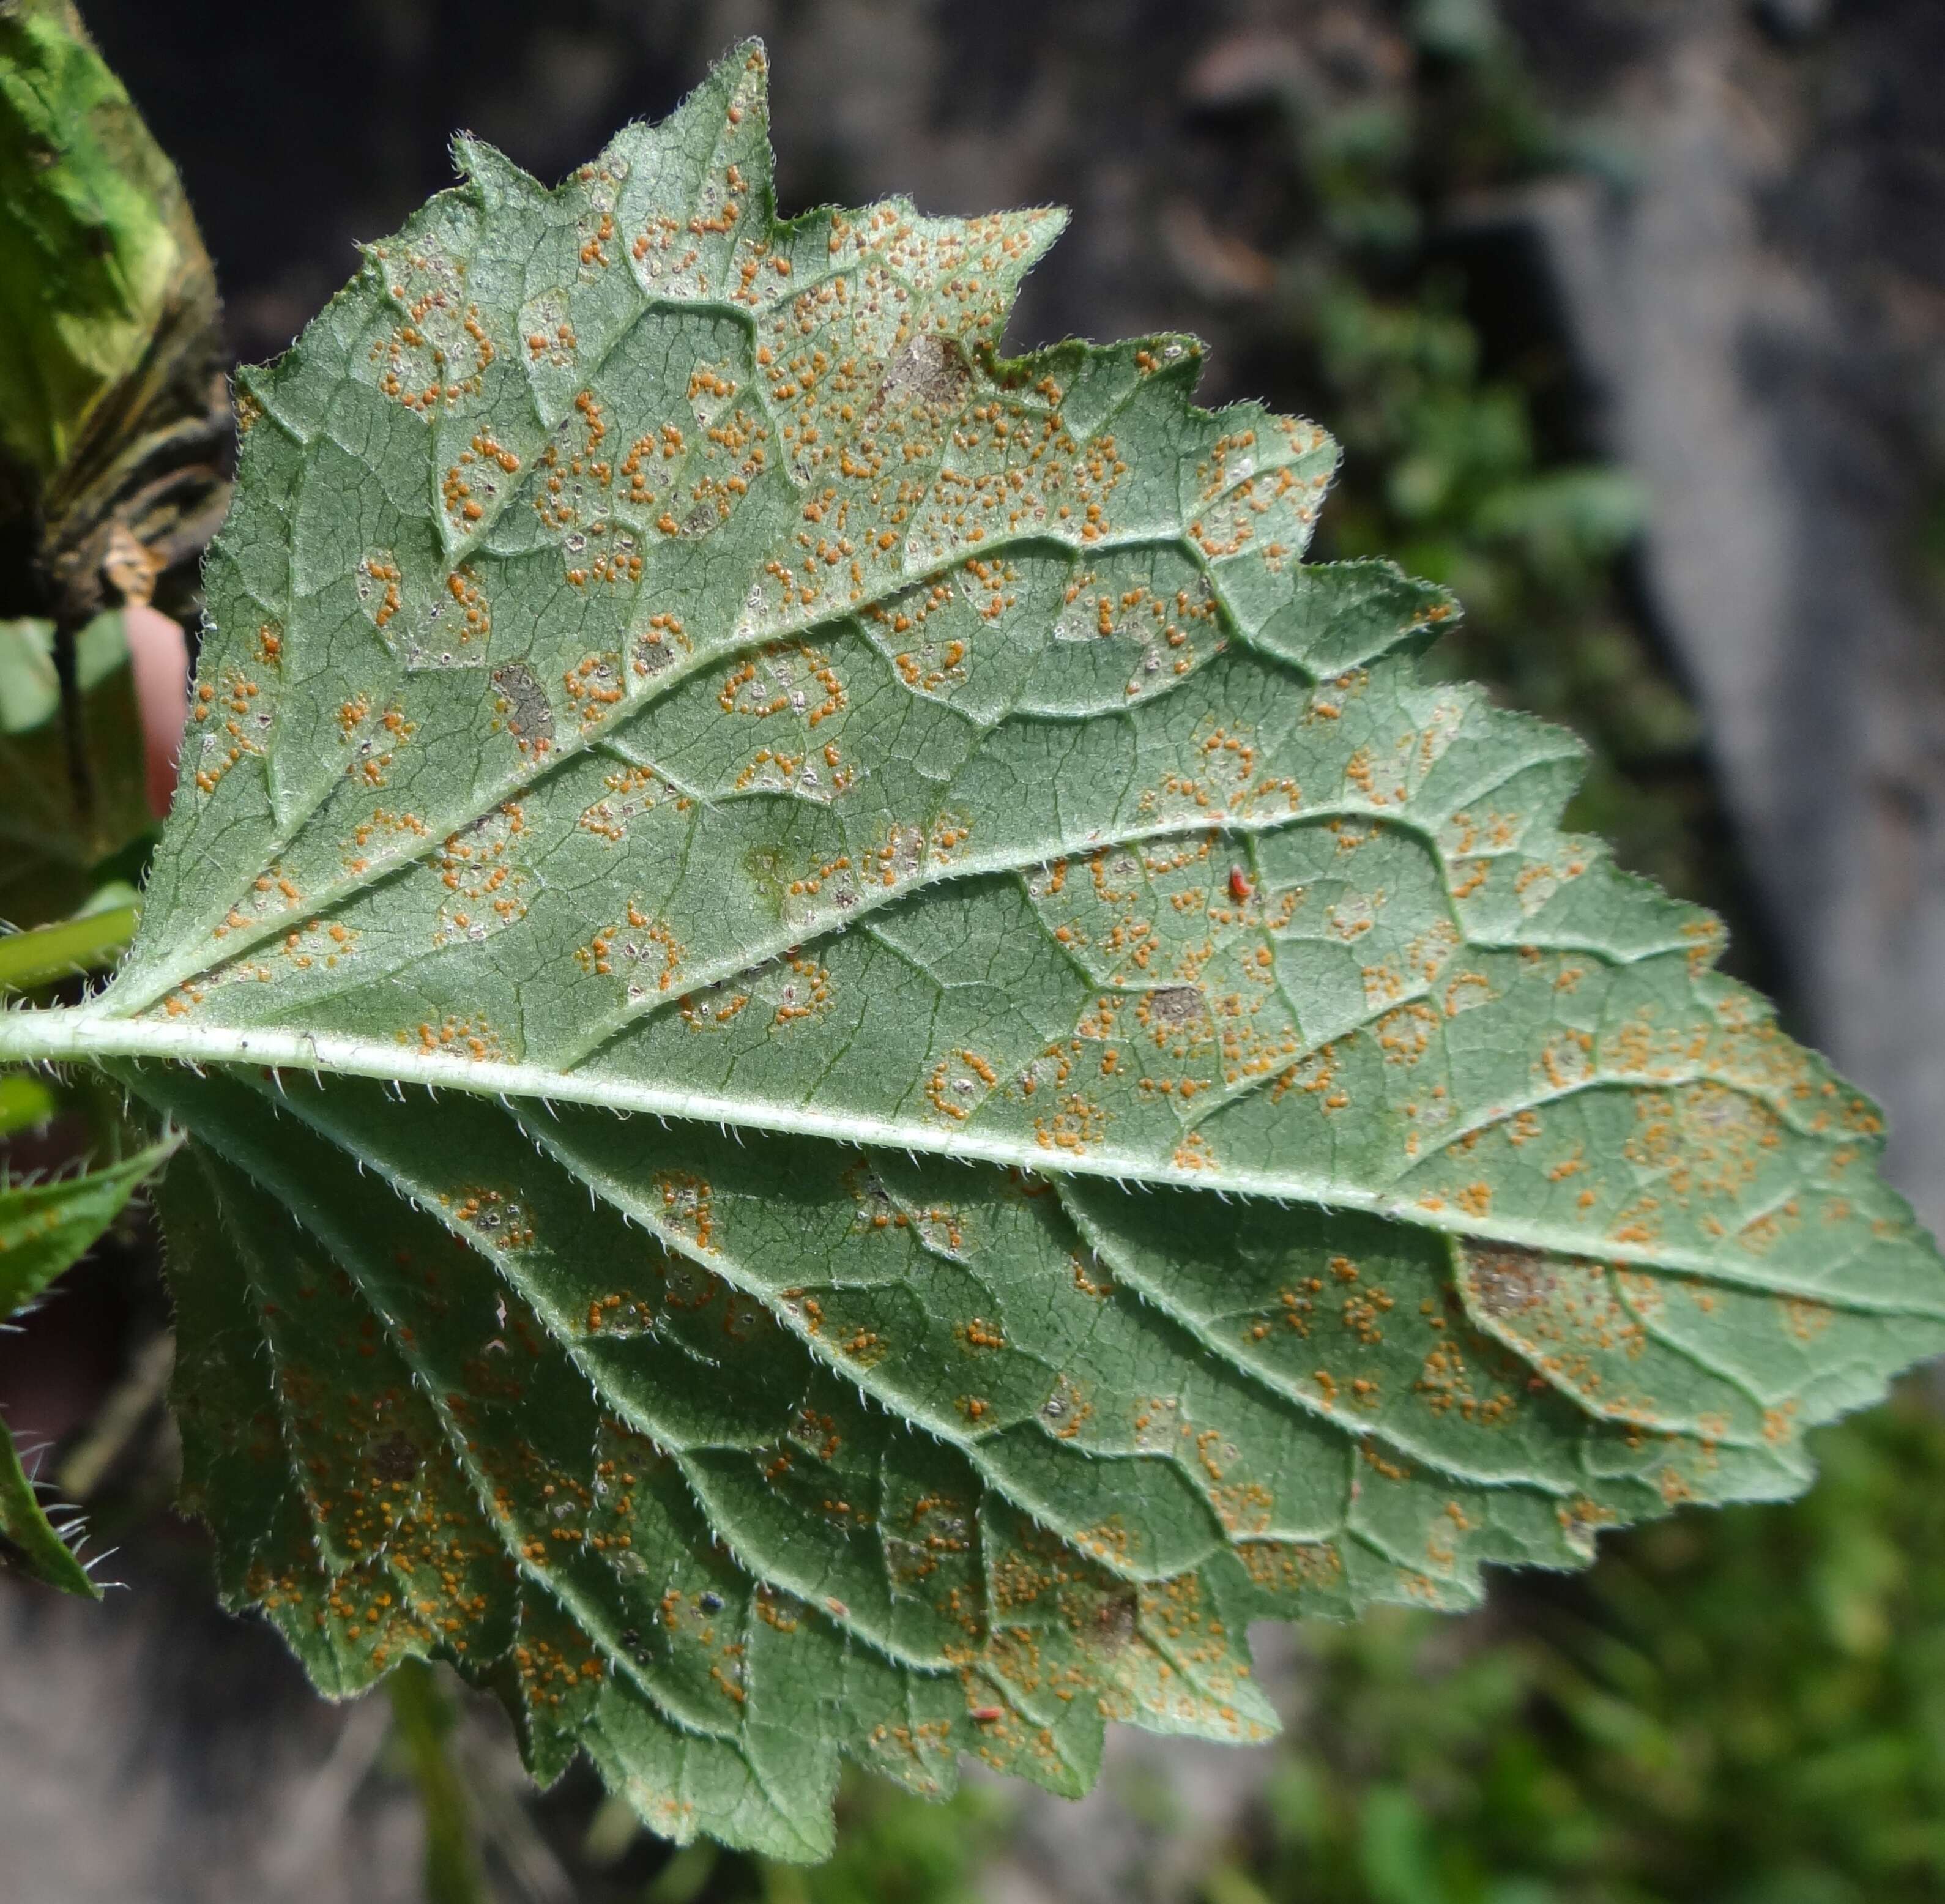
point(422, 1719)
point(89, 942)
point(51, 846)
point(27, 1539)
point(86, 253)
point(113, 408)
point(1135, 1119)
point(25, 1102)
point(44, 1229)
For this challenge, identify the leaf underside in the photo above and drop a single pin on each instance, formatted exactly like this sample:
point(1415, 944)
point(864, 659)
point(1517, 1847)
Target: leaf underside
point(1162, 1129)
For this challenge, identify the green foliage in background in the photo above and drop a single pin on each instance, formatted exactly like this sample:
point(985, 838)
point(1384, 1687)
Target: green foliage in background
point(1454, 467)
point(44, 1229)
point(114, 418)
point(55, 854)
point(95, 234)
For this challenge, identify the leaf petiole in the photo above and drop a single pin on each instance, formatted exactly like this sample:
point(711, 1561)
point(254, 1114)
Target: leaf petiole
point(91, 943)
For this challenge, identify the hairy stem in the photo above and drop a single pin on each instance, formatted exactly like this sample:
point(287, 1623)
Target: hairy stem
point(424, 1718)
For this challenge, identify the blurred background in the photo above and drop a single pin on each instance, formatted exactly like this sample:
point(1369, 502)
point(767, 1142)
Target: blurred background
point(1630, 315)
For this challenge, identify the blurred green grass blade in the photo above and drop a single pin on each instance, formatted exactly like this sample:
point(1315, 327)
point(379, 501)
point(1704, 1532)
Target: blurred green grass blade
point(682, 1879)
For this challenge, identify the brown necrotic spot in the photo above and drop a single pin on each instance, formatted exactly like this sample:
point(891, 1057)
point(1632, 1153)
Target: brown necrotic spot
point(1115, 1620)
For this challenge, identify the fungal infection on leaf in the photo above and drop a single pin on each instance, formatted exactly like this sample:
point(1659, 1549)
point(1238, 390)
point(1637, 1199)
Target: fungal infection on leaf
point(1134, 1118)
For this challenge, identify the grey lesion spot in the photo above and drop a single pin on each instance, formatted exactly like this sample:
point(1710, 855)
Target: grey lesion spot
point(928, 369)
point(904, 854)
point(1504, 1280)
point(1062, 1408)
point(523, 707)
point(651, 653)
point(1175, 1005)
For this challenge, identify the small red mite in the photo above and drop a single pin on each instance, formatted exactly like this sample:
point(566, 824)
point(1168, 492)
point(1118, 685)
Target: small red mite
point(985, 1714)
point(1241, 887)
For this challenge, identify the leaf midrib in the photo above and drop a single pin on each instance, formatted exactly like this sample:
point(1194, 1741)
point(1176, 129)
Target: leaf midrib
point(69, 1034)
point(752, 955)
